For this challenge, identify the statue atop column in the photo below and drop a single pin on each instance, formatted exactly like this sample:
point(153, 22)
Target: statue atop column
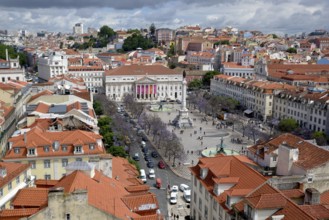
point(182, 119)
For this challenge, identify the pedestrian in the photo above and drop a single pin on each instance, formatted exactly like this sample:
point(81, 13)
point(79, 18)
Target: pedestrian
point(191, 135)
point(204, 133)
point(188, 151)
point(201, 143)
point(178, 163)
point(192, 152)
point(200, 128)
point(192, 162)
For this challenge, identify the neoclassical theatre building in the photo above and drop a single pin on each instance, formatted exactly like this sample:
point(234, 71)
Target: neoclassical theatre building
point(147, 83)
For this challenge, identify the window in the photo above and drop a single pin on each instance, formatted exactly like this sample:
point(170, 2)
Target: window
point(78, 159)
point(214, 205)
point(31, 151)
point(47, 177)
point(68, 217)
point(64, 148)
point(46, 148)
point(32, 163)
point(16, 150)
point(206, 195)
point(17, 180)
point(1, 192)
point(274, 158)
point(10, 186)
point(195, 181)
point(200, 187)
point(206, 212)
point(228, 201)
point(200, 204)
point(64, 162)
point(194, 197)
point(91, 146)
point(78, 149)
point(46, 163)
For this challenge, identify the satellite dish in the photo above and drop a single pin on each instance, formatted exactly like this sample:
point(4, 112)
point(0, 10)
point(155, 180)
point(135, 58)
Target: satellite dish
point(59, 86)
point(67, 87)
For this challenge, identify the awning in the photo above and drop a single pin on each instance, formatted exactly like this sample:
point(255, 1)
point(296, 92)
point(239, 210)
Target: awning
point(248, 111)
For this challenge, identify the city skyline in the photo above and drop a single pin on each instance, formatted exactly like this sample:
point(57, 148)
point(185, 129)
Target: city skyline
point(273, 16)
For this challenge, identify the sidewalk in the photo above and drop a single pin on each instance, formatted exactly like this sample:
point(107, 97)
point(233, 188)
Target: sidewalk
point(190, 138)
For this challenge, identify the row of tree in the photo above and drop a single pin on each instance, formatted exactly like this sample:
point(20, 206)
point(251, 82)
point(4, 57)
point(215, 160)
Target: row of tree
point(166, 141)
point(197, 84)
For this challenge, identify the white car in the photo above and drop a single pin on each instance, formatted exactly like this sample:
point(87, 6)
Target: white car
point(183, 187)
point(151, 174)
point(173, 198)
point(174, 189)
point(187, 195)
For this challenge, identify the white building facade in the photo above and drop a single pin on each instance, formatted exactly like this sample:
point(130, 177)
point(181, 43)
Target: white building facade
point(146, 83)
point(53, 64)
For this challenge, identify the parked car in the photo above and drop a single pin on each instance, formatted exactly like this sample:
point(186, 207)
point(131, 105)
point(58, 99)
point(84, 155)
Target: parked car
point(145, 150)
point(143, 144)
point(173, 198)
point(154, 154)
point(158, 183)
point(136, 157)
point(151, 174)
point(187, 195)
point(143, 176)
point(183, 187)
point(147, 158)
point(150, 164)
point(161, 164)
point(144, 139)
point(174, 188)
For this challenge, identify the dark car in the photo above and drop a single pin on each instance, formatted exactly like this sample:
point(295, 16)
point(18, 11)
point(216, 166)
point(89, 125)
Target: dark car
point(146, 158)
point(144, 138)
point(145, 149)
point(161, 164)
point(154, 154)
point(150, 164)
point(136, 158)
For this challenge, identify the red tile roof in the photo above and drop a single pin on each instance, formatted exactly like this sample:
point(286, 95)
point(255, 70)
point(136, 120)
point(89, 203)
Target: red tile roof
point(13, 214)
point(12, 170)
point(31, 198)
point(141, 70)
point(310, 156)
point(37, 138)
point(267, 201)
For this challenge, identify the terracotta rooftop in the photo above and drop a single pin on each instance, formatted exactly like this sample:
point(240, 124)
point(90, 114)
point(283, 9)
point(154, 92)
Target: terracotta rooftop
point(13, 214)
point(30, 198)
point(141, 70)
point(12, 171)
point(317, 211)
point(310, 156)
point(267, 201)
point(38, 139)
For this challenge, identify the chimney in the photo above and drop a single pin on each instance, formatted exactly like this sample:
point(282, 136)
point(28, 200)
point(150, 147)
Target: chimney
point(25, 138)
point(7, 57)
point(312, 196)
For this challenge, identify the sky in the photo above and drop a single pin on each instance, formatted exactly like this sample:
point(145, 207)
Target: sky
point(268, 16)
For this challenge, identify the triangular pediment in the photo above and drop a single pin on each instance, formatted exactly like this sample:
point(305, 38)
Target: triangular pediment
point(145, 80)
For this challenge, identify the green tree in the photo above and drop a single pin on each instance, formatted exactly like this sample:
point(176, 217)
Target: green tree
point(274, 36)
point(152, 29)
point(70, 38)
point(98, 108)
point(135, 41)
point(320, 137)
point(105, 120)
point(13, 54)
point(117, 151)
point(108, 138)
point(136, 31)
point(222, 42)
point(106, 32)
point(208, 76)
point(292, 50)
point(288, 125)
point(195, 84)
point(171, 51)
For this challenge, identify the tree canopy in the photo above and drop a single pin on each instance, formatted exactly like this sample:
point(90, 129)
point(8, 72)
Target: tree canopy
point(195, 84)
point(222, 42)
point(288, 125)
point(208, 76)
point(152, 29)
point(291, 50)
point(12, 54)
point(106, 32)
point(136, 40)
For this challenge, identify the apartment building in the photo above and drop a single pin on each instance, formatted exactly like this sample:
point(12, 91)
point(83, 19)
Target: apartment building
point(307, 107)
point(52, 64)
point(256, 96)
point(146, 83)
point(13, 177)
point(7, 124)
point(235, 69)
point(50, 151)
point(11, 70)
point(164, 35)
point(201, 60)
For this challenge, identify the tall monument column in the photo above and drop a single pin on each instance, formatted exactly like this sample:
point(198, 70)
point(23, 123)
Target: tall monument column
point(182, 120)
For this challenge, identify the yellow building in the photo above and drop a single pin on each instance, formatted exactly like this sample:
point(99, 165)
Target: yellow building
point(49, 152)
point(13, 177)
